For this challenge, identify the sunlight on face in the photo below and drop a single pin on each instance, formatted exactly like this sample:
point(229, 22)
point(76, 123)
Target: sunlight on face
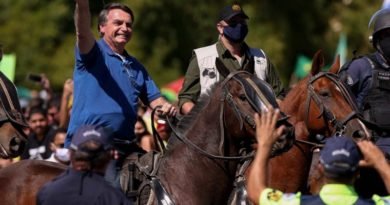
point(117, 31)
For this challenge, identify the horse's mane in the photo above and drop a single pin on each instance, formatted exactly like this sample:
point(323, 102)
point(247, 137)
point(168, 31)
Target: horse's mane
point(295, 92)
point(188, 119)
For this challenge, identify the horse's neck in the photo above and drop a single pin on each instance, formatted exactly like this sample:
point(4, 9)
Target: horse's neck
point(293, 105)
point(205, 129)
point(205, 133)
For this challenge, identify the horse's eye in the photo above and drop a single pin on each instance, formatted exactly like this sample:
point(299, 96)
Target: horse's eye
point(242, 97)
point(324, 93)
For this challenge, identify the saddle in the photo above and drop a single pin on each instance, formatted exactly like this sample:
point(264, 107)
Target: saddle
point(136, 173)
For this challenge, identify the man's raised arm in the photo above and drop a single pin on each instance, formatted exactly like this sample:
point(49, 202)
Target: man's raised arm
point(82, 20)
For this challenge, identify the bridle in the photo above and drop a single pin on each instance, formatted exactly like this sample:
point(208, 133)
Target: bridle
point(10, 111)
point(328, 115)
point(251, 91)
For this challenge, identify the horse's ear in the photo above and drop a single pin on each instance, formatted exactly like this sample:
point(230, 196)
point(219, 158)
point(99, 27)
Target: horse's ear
point(317, 63)
point(221, 68)
point(336, 65)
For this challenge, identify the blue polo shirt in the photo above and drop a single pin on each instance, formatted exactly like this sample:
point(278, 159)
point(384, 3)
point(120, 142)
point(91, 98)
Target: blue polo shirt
point(106, 91)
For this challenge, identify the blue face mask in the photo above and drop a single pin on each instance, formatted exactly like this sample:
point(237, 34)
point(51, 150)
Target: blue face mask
point(236, 33)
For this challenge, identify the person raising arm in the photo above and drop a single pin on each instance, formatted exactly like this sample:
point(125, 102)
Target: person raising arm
point(339, 161)
point(108, 81)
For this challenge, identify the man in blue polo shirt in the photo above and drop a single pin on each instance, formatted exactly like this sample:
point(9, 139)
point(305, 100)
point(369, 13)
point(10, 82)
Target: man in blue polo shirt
point(339, 160)
point(108, 81)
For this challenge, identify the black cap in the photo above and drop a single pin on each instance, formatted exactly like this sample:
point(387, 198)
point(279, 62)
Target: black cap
point(91, 132)
point(340, 156)
point(229, 12)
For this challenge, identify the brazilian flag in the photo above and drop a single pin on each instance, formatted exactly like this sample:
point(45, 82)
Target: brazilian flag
point(7, 65)
point(302, 67)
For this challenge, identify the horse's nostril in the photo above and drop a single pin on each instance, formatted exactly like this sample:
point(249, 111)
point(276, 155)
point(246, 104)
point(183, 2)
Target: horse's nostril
point(14, 141)
point(16, 145)
point(358, 134)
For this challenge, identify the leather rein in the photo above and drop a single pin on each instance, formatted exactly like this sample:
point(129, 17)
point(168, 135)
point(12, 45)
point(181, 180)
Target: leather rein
point(328, 115)
point(240, 115)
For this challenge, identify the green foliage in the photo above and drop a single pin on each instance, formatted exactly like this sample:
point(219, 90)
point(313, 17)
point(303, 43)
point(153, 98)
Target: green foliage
point(33, 30)
point(41, 33)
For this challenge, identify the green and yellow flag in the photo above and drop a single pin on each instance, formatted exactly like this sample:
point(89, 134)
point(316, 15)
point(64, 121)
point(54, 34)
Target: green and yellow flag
point(302, 67)
point(7, 66)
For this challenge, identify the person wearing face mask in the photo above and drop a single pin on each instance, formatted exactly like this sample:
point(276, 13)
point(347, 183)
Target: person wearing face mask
point(60, 154)
point(369, 80)
point(235, 54)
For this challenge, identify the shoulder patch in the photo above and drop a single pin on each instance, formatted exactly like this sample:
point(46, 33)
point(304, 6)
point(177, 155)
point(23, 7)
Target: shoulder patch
point(274, 195)
point(261, 60)
point(349, 80)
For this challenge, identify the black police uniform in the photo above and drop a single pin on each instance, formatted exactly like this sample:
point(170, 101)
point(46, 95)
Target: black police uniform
point(76, 187)
point(369, 78)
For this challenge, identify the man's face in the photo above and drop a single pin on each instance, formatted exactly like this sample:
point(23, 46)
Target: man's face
point(236, 20)
point(117, 31)
point(231, 22)
point(38, 123)
point(383, 33)
point(52, 115)
point(58, 141)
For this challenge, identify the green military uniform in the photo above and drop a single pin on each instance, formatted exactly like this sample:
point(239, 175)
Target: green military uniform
point(335, 194)
point(192, 88)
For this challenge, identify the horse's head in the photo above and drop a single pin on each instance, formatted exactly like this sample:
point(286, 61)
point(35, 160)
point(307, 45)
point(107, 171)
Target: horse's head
point(245, 94)
point(12, 138)
point(327, 106)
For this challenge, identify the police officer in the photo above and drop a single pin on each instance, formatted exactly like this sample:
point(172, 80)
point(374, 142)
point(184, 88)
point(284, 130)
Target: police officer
point(339, 160)
point(234, 53)
point(84, 183)
point(369, 79)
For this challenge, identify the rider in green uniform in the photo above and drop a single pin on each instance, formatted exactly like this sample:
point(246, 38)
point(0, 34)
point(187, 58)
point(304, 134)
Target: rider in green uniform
point(339, 161)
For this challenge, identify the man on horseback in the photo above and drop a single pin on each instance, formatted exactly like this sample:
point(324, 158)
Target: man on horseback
point(234, 53)
point(339, 161)
point(108, 81)
point(368, 78)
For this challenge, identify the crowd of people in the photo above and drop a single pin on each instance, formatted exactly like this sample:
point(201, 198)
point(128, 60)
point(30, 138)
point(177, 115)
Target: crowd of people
point(107, 106)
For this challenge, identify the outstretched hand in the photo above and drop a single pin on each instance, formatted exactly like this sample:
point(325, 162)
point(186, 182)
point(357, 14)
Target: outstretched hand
point(372, 155)
point(266, 131)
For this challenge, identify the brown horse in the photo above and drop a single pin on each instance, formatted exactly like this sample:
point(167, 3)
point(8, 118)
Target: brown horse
point(200, 163)
point(20, 182)
point(318, 104)
point(12, 122)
